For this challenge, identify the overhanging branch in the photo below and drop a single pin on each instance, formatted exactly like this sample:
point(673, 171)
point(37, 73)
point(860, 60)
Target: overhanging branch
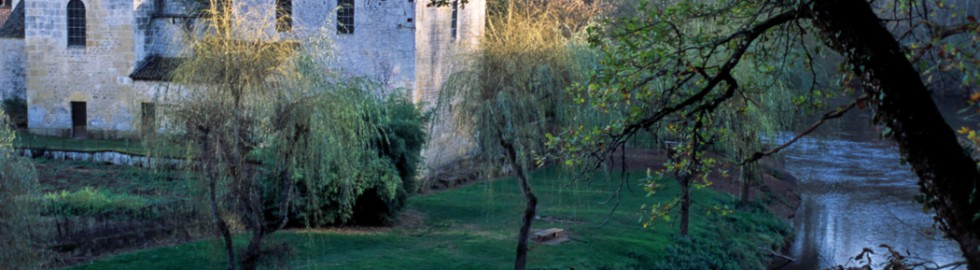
point(748, 36)
point(828, 116)
point(941, 32)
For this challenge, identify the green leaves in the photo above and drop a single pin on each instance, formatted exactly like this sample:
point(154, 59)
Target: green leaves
point(513, 88)
point(19, 200)
point(696, 73)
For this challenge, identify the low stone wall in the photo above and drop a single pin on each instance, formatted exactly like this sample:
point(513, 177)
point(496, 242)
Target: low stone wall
point(110, 157)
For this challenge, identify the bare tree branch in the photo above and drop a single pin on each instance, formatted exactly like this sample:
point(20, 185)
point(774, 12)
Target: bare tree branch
point(828, 116)
point(749, 36)
point(941, 32)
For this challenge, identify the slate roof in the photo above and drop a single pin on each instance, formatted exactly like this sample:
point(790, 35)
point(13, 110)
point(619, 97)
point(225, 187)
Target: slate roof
point(156, 68)
point(12, 24)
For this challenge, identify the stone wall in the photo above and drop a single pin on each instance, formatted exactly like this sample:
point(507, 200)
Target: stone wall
point(438, 55)
point(164, 25)
point(402, 43)
point(382, 46)
point(110, 157)
point(13, 62)
point(96, 73)
point(438, 51)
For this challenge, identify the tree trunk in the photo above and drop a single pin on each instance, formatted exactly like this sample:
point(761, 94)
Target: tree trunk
point(209, 171)
point(685, 203)
point(256, 219)
point(947, 175)
point(520, 263)
point(750, 174)
point(251, 258)
point(745, 193)
point(222, 226)
point(248, 192)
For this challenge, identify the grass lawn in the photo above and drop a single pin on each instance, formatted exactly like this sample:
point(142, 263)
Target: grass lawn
point(475, 227)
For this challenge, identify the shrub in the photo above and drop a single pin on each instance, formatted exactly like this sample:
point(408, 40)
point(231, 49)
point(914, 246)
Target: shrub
point(89, 201)
point(712, 249)
point(386, 178)
point(399, 142)
point(19, 215)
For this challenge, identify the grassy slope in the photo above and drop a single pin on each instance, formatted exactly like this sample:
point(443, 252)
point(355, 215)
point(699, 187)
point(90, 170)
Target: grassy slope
point(475, 227)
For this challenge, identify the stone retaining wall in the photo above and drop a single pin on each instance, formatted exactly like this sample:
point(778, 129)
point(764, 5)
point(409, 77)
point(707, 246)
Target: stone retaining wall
point(110, 157)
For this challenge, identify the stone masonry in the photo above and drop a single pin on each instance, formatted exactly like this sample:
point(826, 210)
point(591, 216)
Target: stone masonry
point(12, 65)
point(401, 43)
point(13, 58)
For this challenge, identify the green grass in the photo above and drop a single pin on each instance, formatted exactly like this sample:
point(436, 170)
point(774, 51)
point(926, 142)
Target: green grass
point(72, 176)
point(91, 201)
point(475, 227)
point(80, 188)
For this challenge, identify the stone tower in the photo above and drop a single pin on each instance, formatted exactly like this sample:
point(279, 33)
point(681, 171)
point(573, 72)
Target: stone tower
point(445, 35)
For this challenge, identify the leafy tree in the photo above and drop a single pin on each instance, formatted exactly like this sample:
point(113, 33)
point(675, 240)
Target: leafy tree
point(19, 201)
point(511, 92)
point(269, 130)
point(677, 64)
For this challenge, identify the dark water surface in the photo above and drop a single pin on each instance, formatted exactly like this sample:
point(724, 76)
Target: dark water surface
point(856, 194)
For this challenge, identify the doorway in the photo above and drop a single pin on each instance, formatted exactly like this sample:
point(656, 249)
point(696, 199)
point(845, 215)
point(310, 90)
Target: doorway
point(79, 119)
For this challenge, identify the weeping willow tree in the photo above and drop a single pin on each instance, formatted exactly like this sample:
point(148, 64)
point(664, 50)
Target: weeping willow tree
point(271, 135)
point(19, 199)
point(760, 112)
point(511, 93)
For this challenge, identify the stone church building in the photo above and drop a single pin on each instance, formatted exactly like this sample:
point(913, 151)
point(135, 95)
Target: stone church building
point(93, 65)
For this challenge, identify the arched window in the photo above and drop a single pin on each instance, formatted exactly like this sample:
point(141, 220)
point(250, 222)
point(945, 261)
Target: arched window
point(345, 16)
point(284, 15)
point(76, 23)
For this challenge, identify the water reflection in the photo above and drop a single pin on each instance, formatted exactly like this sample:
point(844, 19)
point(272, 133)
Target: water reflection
point(857, 194)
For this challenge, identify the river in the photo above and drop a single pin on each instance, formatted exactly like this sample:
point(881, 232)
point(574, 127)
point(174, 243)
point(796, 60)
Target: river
point(857, 194)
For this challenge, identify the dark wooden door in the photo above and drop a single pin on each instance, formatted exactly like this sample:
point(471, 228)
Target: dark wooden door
point(79, 119)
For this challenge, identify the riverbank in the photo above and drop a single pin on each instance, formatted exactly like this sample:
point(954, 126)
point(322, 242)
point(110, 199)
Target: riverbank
point(475, 227)
point(777, 190)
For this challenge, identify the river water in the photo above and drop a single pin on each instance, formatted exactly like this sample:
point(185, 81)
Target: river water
point(857, 194)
